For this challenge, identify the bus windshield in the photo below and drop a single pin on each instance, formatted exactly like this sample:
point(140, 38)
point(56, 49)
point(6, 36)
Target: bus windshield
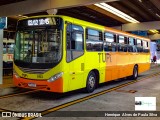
point(38, 45)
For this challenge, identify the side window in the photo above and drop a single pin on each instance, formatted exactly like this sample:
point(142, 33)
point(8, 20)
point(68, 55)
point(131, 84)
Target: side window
point(139, 45)
point(132, 45)
point(145, 47)
point(68, 37)
point(77, 41)
point(130, 48)
point(74, 42)
point(122, 46)
point(135, 49)
point(121, 39)
point(94, 41)
point(109, 42)
point(131, 41)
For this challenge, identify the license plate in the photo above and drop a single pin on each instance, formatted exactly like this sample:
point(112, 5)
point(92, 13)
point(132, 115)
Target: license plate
point(31, 84)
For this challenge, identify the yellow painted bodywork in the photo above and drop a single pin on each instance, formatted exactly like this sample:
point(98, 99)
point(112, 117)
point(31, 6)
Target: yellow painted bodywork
point(110, 65)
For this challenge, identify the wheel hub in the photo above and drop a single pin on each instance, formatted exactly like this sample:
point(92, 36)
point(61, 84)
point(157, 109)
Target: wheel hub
point(91, 81)
point(135, 73)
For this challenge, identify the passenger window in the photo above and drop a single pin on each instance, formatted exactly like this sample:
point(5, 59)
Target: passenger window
point(145, 47)
point(122, 46)
point(135, 49)
point(77, 41)
point(74, 42)
point(114, 47)
point(107, 46)
point(125, 48)
point(139, 45)
point(110, 47)
point(131, 41)
point(121, 39)
point(139, 49)
point(94, 41)
point(109, 42)
point(109, 37)
point(130, 48)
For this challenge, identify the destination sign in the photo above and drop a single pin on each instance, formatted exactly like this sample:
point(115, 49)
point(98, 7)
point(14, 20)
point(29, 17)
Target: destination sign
point(40, 22)
point(36, 22)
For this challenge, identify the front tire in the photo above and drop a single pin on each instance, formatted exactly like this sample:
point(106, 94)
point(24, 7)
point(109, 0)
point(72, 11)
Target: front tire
point(91, 82)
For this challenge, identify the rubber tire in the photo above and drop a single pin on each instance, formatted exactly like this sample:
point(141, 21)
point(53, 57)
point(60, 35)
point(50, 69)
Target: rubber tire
point(135, 73)
point(91, 79)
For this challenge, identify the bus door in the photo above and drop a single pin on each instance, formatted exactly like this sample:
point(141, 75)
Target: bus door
point(75, 58)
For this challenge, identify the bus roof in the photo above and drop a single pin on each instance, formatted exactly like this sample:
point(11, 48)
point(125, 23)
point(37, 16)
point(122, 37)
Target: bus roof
point(92, 25)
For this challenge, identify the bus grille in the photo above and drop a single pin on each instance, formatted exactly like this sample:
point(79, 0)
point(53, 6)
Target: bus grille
point(34, 71)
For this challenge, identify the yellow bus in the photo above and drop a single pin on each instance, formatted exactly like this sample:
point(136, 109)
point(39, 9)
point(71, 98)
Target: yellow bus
point(60, 54)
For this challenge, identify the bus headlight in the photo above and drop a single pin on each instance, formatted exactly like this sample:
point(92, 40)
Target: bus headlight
point(55, 77)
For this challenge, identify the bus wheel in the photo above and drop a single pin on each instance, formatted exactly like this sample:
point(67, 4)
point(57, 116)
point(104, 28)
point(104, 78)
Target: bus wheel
point(91, 82)
point(135, 73)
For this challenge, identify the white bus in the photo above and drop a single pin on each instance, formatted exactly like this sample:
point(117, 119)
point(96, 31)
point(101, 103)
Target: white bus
point(8, 50)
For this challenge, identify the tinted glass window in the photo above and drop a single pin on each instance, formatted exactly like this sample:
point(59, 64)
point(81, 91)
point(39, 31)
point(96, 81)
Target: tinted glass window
point(121, 39)
point(145, 46)
point(94, 40)
point(131, 41)
point(75, 47)
point(109, 37)
point(122, 47)
point(109, 42)
point(139, 42)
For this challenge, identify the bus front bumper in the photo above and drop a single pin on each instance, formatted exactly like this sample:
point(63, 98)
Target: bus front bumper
point(43, 85)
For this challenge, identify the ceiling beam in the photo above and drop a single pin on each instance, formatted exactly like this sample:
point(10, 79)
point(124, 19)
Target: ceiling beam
point(33, 6)
point(156, 3)
point(144, 26)
point(154, 37)
point(93, 7)
point(133, 8)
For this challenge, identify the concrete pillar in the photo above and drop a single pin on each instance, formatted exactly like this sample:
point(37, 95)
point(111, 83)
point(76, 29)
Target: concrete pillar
point(1, 56)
